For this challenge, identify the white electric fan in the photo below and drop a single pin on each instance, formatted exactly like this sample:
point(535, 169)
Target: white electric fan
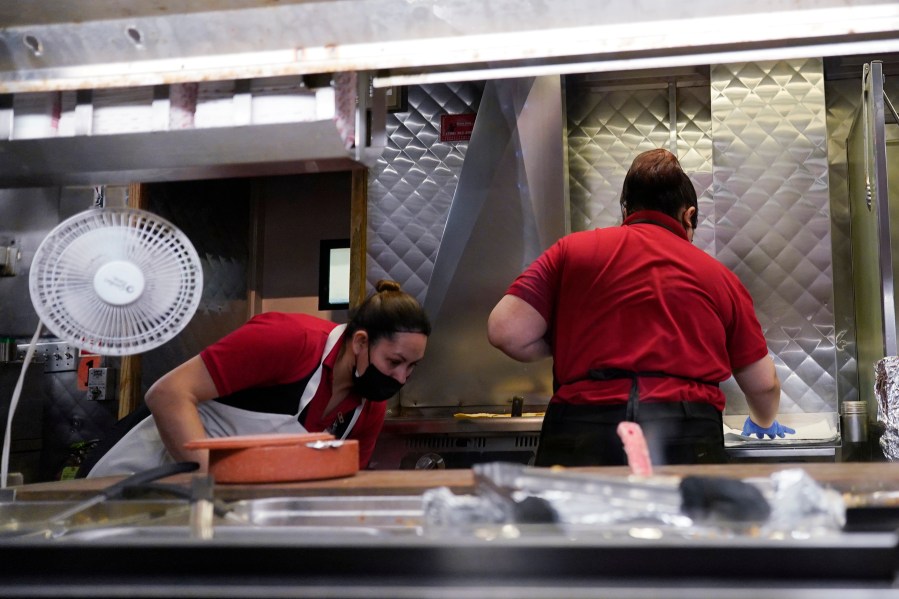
point(112, 281)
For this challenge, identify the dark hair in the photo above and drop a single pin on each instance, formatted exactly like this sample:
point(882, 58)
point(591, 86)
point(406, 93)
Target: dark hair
point(656, 181)
point(387, 311)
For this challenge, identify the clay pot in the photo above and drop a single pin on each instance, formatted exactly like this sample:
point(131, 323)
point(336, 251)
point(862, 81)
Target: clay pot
point(279, 457)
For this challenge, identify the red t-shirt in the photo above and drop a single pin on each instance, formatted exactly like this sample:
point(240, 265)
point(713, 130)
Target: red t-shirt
point(641, 297)
point(266, 363)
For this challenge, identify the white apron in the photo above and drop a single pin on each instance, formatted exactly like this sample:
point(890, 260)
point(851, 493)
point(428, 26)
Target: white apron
point(141, 448)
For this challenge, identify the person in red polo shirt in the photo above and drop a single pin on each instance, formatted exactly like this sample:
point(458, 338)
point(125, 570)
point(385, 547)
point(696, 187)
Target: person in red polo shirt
point(279, 373)
point(642, 326)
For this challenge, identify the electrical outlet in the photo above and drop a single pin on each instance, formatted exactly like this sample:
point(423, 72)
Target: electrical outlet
point(100, 384)
point(56, 356)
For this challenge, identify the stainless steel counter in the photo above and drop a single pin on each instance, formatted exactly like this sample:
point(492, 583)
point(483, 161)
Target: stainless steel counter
point(339, 545)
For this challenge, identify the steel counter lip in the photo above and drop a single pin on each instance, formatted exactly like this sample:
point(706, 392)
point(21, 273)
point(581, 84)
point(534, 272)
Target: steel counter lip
point(217, 567)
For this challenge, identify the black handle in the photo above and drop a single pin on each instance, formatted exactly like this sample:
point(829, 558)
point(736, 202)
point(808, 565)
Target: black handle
point(148, 476)
point(729, 499)
point(517, 406)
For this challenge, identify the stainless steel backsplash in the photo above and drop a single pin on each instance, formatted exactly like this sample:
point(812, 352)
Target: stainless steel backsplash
point(772, 216)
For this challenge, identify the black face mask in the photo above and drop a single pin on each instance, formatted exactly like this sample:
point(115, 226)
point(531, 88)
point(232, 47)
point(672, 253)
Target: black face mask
point(374, 385)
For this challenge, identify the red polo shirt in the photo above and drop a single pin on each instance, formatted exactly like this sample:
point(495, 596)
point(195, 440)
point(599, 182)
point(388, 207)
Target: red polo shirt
point(641, 297)
point(267, 362)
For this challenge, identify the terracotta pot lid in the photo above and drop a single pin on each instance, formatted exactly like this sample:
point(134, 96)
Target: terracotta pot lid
point(279, 457)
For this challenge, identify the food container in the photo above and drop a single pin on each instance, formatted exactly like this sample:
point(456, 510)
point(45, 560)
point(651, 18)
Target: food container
point(854, 421)
point(279, 457)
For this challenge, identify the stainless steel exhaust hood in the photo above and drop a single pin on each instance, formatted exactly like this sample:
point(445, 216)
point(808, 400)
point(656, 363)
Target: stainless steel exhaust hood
point(174, 155)
point(509, 206)
point(216, 129)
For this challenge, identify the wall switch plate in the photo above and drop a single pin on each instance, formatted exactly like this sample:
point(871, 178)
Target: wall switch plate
point(100, 384)
point(56, 356)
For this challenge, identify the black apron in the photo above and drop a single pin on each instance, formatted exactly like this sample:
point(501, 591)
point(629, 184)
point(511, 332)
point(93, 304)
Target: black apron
point(681, 432)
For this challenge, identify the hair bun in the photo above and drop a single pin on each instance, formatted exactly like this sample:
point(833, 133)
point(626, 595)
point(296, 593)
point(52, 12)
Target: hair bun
point(387, 285)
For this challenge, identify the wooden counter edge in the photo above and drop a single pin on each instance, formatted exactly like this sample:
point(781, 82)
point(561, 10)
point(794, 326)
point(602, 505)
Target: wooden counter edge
point(845, 477)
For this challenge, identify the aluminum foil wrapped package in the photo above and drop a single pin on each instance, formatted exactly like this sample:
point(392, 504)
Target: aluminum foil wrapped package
point(801, 508)
point(886, 388)
point(789, 504)
point(447, 511)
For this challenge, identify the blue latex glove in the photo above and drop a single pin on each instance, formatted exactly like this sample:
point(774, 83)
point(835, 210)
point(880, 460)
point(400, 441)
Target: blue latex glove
point(775, 430)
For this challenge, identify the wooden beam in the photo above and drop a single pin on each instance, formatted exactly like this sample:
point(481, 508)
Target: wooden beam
point(358, 236)
point(130, 371)
point(256, 259)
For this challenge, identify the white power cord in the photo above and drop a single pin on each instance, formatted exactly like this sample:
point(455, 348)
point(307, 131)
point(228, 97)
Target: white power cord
point(7, 436)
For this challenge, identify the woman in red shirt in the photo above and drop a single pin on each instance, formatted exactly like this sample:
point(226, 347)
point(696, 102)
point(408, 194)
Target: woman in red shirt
point(641, 326)
point(281, 373)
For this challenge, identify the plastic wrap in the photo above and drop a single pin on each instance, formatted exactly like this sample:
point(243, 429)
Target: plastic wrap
point(886, 388)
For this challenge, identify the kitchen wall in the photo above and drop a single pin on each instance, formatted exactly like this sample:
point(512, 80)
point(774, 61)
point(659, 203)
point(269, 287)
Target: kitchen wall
point(772, 216)
point(411, 187)
point(296, 214)
point(255, 236)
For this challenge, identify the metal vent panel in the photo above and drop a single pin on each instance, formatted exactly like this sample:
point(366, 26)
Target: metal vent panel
point(606, 130)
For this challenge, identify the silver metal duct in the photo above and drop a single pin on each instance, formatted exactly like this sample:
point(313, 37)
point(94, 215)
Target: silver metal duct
point(173, 155)
point(509, 206)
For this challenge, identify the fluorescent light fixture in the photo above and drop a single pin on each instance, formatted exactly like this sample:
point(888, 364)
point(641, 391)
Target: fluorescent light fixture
point(651, 62)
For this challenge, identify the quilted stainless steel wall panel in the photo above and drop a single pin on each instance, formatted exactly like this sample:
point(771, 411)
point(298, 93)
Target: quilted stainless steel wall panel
point(772, 216)
point(607, 129)
point(412, 185)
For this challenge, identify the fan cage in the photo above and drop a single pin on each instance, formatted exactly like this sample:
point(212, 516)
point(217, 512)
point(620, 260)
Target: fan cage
point(62, 280)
